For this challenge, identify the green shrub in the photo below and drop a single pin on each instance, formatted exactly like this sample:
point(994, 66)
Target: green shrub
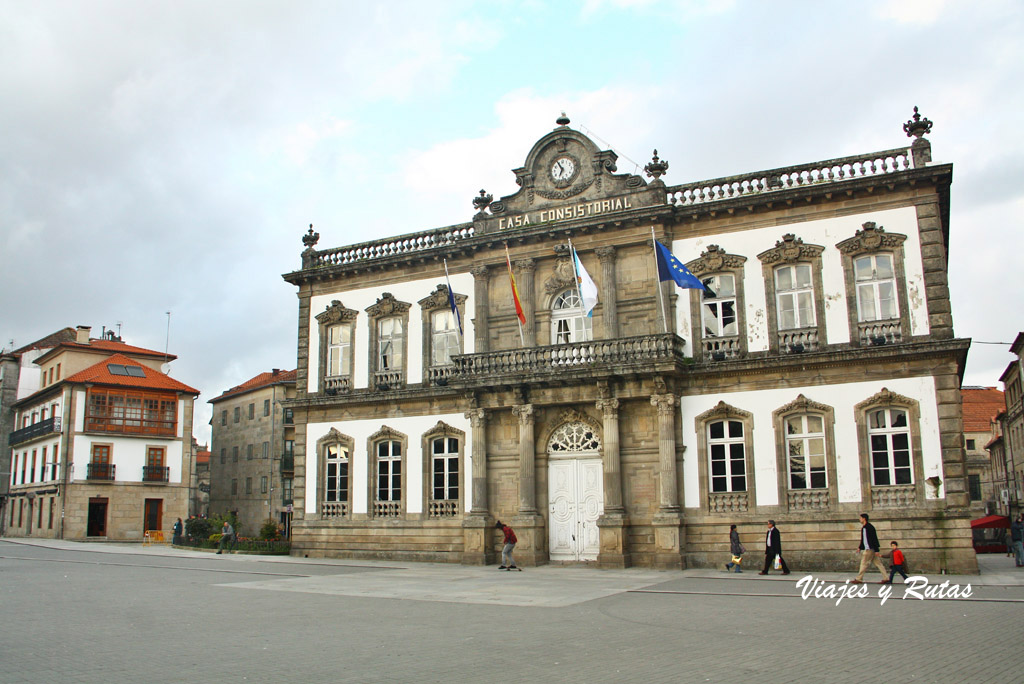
point(268, 532)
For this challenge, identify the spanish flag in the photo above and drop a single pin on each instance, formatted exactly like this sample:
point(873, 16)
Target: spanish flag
point(515, 292)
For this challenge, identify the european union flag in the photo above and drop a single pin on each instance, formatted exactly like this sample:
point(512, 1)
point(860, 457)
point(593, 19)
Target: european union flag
point(670, 268)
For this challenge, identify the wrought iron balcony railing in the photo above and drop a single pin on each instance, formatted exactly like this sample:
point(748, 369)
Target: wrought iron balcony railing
point(43, 427)
point(155, 473)
point(99, 471)
point(288, 462)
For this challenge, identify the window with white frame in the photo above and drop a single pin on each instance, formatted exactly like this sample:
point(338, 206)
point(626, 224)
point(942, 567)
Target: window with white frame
point(727, 454)
point(889, 437)
point(444, 338)
point(390, 344)
point(568, 323)
point(445, 468)
point(794, 293)
point(718, 306)
point(389, 476)
point(336, 473)
point(805, 447)
point(876, 287)
point(339, 350)
point(337, 329)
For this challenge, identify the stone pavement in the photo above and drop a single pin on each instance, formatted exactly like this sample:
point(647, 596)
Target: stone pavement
point(126, 613)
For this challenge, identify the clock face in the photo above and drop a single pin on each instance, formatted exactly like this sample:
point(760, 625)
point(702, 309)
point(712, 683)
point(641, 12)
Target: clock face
point(563, 169)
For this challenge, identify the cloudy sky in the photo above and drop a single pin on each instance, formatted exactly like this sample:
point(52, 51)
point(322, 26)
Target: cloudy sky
point(168, 156)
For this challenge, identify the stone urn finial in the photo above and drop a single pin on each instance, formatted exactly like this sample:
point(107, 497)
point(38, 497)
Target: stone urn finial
point(917, 126)
point(310, 238)
point(656, 168)
point(483, 201)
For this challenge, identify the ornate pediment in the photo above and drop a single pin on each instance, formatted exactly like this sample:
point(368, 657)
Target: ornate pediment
point(790, 249)
point(871, 238)
point(803, 405)
point(386, 433)
point(443, 429)
point(334, 437)
point(387, 305)
point(723, 411)
point(715, 259)
point(438, 299)
point(886, 398)
point(336, 313)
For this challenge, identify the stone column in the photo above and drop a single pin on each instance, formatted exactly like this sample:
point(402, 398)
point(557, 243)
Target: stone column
point(481, 284)
point(527, 458)
point(476, 526)
point(613, 521)
point(609, 304)
point(669, 541)
point(524, 283)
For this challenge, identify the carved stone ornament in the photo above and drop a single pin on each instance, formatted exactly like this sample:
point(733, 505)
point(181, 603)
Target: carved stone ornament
point(656, 168)
point(334, 437)
point(871, 238)
point(387, 305)
point(715, 259)
point(336, 313)
point(803, 405)
point(569, 416)
point(476, 417)
point(790, 249)
point(310, 239)
point(443, 429)
point(723, 411)
point(917, 126)
point(564, 275)
point(386, 432)
point(524, 412)
point(665, 403)
point(438, 299)
point(609, 408)
point(567, 193)
point(483, 201)
point(886, 398)
point(497, 207)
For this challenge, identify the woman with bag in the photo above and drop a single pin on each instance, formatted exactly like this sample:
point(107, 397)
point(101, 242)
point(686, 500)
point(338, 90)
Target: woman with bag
point(736, 548)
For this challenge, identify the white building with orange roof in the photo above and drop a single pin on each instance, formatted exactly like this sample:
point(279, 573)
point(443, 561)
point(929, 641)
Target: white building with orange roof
point(104, 448)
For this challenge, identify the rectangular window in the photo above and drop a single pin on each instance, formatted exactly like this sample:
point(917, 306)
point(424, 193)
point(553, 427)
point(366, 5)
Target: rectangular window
point(50, 381)
point(56, 460)
point(24, 466)
point(974, 486)
point(289, 447)
point(719, 306)
point(263, 484)
point(50, 525)
point(286, 488)
point(336, 481)
point(390, 344)
point(14, 470)
point(248, 485)
point(266, 407)
point(266, 450)
point(223, 455)
point(339, 350)
point(795, 296)
point(155, 471)
point(32, 470)
point(805, 444)
point(889, 437)
point(728, 460)
point(42, 467)
point(248, 452)
point(100, 467)
point(58, 371)
point(876, 288)
point(444, 338)
point(234, 454)
point(224, 417)
point(238, 413)
point(389, 471)
point(445, 453)
point(252, 411)
point(289, 416)
point(234, 487)
point(970, 445)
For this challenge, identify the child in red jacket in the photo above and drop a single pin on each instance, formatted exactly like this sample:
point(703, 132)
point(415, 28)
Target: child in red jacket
point(898, 563)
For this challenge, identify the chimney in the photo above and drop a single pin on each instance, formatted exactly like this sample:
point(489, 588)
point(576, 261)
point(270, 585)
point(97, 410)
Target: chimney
point(82, 334)
point(276, 371)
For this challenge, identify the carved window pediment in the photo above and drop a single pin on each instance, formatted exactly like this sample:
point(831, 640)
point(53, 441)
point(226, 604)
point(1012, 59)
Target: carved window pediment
point(564, 275)
point(886, 398)
point(715, 259)
point(790, 249)
point(334, 437)
point(443, 429)
point(870, 238)
point(723, 411)
point(386, 433)
point(438, 299)
point(803, 405)
point(387, 305)
point(336, 313)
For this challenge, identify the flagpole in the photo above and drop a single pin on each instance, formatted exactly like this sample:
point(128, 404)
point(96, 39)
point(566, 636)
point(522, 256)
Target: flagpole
point(451, 299)
point(576, 277)
point(657, 273)
point(515, 295)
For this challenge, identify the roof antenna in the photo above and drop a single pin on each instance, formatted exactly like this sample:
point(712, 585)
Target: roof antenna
point(119, 331)
point(167, 343)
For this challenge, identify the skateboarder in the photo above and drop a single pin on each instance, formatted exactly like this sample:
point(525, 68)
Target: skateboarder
point(507, 561)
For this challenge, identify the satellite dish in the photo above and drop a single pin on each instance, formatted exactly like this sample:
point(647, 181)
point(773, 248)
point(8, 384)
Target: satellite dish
point(165, 368)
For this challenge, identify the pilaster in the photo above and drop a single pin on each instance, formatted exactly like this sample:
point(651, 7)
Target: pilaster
point(481, 288)
point(609, 291)
point(525, 285)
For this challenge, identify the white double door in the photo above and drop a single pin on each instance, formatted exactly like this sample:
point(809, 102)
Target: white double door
point(576, 500)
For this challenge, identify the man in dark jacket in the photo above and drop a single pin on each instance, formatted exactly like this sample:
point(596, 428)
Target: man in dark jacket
point(773, 548)
point(1017, 538)
point(868, 550)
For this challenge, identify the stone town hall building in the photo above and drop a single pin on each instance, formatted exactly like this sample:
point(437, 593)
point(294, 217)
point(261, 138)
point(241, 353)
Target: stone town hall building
point(817, 376)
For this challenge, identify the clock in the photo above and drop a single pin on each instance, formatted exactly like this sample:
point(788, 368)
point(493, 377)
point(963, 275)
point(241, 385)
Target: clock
point(563, 170)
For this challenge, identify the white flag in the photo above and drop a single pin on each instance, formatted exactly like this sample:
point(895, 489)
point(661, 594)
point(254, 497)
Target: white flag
point(587, 287)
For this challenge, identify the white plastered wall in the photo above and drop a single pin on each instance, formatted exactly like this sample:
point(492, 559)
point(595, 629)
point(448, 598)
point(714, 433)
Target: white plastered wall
point(826, 233)
point(360, 431)
point(359, 300)
point(842, 398)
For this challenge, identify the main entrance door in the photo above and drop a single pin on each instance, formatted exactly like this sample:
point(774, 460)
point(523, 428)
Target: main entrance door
point(575, 493)
point(97, 524)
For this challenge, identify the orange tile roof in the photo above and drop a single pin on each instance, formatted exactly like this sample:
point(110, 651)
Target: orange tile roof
point(106, 346)
point(202, 457)
point(264, 379)
point(99, 374)
point(980, 406)
point(51, 340)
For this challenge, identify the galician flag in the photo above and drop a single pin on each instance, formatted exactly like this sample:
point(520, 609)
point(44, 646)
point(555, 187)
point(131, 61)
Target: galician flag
point(586, 284)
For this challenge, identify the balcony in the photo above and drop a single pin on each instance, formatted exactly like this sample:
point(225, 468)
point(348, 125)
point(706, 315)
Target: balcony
point(162, 427)
point(288, 463)
point(43, 427)
point(99, 471)
point(158, 474)
point(581, 360)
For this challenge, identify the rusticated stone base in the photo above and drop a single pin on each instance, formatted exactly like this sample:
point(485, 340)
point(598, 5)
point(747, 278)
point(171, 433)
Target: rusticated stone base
point(475, 547)
point(613, 553)
point(669, 541)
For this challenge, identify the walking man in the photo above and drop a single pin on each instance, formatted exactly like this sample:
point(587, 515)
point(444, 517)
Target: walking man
point(868, 550)
point(1017, 537)
point(773, 549)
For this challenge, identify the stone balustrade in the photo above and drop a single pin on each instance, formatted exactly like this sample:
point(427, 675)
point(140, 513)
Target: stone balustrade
point(338, 383)
point(721, 348)
point(788, 177)
point(443, 509)
point(879, 332)
point(405, 244)
point(728, 502)
point(796, 341)
point(894, 496)
point(387, 509)
point(388, 379)
point(808, 499)
point(334, 509)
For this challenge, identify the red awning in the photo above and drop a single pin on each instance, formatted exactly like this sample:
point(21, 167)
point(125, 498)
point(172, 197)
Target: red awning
point(991, 521)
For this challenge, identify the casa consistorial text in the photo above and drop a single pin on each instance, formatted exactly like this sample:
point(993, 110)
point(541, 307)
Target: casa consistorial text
point(572, 211)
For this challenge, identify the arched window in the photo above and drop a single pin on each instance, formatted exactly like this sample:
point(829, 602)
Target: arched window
point(568, 323)
point(716, 312)
point(805, 451)
point(876, 290)
point(805, 448)
point(334, 490)
point(889, 433)
point(442, 470)
point(725, 452)
point(387, 468)
point(889, 437)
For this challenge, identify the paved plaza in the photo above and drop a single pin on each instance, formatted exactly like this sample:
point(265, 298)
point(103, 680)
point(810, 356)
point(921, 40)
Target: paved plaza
point(74, 612)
